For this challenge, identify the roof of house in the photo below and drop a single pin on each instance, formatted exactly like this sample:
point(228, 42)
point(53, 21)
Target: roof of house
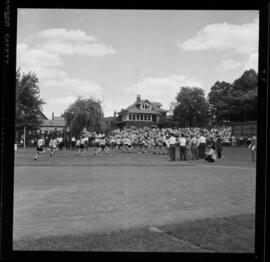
point(52, 123)
point(134, 109)
point(41, 115)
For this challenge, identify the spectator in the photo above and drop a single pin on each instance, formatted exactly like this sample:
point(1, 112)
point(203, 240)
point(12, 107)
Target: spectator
point(253, 147)
point(182, 143)
point(211, 155)
point(219, 146)
point(202, 143)
point(172, 142)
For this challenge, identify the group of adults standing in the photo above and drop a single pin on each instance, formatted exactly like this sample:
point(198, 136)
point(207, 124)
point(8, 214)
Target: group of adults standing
point(194, 147)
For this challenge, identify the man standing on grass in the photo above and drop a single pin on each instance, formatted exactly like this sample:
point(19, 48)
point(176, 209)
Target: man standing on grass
point(172, 142)
point(202, 143)
point(219, 146)
point(182, 143)
point(194, 148)
point(253, 147)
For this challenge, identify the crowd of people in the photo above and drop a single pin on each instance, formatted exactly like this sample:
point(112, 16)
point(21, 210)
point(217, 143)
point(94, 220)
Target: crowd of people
point(178, 143)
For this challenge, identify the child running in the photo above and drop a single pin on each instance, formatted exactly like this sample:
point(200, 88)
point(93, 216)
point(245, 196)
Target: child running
point(53, 146)
point(39, 148)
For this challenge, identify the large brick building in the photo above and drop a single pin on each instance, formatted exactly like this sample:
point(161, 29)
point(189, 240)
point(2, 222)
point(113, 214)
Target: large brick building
point(140, 114)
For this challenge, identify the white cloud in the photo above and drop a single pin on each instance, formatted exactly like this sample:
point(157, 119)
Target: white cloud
point(62, 34)
point(29, 57)
point(58, 105)
point(161, 89)
point(43, 55)
point(252, 62)
point(59, 87)
point(229, 64)
point(224, 36)
point(80, 49)
point(72, 42)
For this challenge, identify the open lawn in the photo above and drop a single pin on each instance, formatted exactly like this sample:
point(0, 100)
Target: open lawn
point(134, 202)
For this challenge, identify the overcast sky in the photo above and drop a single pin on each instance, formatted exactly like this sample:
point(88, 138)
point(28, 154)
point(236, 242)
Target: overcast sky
point(113, 55)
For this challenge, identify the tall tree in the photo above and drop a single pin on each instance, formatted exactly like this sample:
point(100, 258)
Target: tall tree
point(236, 101)
point(28, 101)
point(192, 107)
point(218, 99)
point(243, 96)
point(84, 113)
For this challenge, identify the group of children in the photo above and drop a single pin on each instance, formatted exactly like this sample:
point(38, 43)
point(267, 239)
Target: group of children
point(53, 144)
point(191, 141)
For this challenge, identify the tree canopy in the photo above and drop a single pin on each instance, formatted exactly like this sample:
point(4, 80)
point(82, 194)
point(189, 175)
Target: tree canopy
point(236, 101)
point(84, 113)
point(28, 101)
point(191, 108)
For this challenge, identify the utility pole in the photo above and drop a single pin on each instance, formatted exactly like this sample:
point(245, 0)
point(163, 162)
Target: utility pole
point(138, 71)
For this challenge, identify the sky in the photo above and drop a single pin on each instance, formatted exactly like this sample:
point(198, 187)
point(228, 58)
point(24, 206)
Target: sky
point(114, 55)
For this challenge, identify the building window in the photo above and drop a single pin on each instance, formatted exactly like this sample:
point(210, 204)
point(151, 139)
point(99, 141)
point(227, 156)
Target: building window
point(133, 117)
point(149, 118)
point(145, 118)
point(141, 117)
point(129, 117)
point(138, 117)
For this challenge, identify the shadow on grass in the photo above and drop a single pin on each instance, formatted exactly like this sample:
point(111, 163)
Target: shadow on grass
point(227, 234)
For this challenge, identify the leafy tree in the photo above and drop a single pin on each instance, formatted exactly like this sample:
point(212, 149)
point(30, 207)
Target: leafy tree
point(192, 107)
point(243, 97)
point(84, 113)
point(218, 99)
point(234, 102)
point(28, 102)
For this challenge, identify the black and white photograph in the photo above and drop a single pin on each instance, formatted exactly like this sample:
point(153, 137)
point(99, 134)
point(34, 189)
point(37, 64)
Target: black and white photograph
point(135, 130)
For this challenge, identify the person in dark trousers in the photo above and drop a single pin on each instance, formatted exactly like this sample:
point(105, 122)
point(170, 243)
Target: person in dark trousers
point(67, 143)
point(202, 144)
point(182, 143)
point(253, 147)
point(219, 147)
point(172, 142)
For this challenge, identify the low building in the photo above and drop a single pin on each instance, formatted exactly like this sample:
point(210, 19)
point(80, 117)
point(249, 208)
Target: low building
point(57, 124)
point(140, 114)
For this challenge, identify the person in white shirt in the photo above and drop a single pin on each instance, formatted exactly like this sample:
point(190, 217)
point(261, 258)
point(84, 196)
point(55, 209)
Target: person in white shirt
point(102, 144)
point(82, 145)
point(39, 148)
point(78, 146)
point(202, 144)
point(172, 142)
point(73, 143)
point(194, 148)
point(164, 145)
point(253, 147)
point(182, 143)
point(211, 155)
point(61, 143)
point(53, 146)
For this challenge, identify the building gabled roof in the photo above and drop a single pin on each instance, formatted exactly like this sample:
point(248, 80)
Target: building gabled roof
point(157, 110)
point(41, 115)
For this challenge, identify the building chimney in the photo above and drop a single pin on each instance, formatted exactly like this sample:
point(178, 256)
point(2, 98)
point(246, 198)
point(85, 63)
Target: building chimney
point(138, 98)
point(53, 116)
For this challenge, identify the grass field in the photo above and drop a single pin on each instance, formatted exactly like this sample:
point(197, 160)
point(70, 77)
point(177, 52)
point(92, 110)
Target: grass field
point(134, 202)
